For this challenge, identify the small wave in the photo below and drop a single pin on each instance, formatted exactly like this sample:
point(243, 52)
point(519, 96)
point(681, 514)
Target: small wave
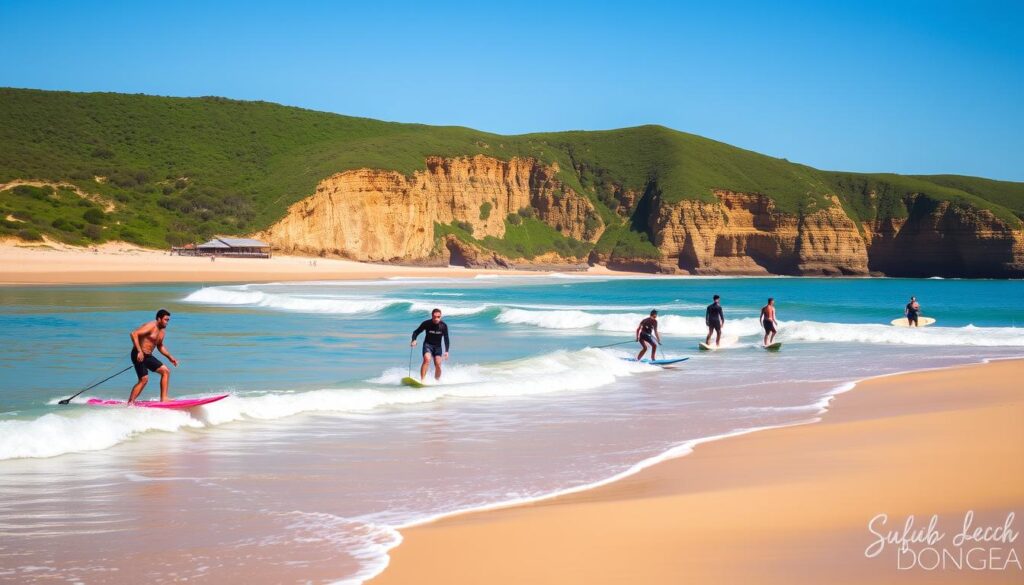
point(675, 325)
point(92, 429)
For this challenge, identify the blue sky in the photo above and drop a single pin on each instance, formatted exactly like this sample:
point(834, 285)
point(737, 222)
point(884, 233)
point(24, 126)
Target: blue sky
point(909, 87)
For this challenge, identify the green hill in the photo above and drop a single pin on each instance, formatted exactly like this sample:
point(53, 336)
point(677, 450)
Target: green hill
point(182, 169)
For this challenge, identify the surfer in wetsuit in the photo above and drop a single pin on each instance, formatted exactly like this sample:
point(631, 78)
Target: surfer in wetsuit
point(437, 331)
point(714, 318)
point(144, 339)
point(768, 322)
point(645, 334)
point(912, 312)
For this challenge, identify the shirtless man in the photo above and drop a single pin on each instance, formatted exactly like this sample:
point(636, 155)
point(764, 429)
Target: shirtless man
point(144, 339)
point(768, 322)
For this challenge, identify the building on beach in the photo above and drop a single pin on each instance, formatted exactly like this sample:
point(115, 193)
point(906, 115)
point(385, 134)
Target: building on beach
point(226, 247)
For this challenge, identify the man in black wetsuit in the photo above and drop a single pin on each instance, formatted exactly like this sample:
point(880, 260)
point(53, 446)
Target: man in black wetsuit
point(645, 334)
point(912, 311)
point(714, 318)
point(437, 331)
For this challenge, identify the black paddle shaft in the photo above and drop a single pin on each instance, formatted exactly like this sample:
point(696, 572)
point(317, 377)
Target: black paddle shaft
point(68, 400)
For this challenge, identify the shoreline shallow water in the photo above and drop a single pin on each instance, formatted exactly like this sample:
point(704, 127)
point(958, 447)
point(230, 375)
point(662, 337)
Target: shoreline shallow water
point(321, 445)
point(429, 550)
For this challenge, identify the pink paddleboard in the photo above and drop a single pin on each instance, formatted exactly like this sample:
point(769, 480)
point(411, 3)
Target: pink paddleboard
point(186, 403)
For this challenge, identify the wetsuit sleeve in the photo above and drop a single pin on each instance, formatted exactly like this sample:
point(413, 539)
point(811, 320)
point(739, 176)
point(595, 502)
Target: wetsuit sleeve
point(419, 330)
point(707, 316)
point(447, 344)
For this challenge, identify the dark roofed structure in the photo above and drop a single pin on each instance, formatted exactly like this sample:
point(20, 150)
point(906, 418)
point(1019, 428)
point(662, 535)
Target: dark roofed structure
point(227, 247)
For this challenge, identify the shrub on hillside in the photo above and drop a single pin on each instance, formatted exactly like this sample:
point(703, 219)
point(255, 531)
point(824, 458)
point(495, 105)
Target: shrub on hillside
point(94, 216)
point(30, 234)
point(485, 210)
point(514, 219)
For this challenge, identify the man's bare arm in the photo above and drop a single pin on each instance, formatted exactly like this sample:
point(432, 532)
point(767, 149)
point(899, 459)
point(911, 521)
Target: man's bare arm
point(143, 330)
point(163, 349)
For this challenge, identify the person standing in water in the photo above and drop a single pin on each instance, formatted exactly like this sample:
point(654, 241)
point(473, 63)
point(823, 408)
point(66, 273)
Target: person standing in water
point(768, 322)
point(912, 312)
point(645, 334)
point(714, 318)
point(147, 337)
point(437, 331)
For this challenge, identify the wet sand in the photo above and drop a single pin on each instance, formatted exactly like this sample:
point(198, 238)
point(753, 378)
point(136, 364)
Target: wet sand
point(786, 505)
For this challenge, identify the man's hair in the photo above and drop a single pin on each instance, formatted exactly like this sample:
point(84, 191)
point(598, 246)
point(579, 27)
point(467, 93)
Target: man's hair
point(435, 312)
point(654, 312)
point(162, 313)
point(770, 299)
point(715, 298)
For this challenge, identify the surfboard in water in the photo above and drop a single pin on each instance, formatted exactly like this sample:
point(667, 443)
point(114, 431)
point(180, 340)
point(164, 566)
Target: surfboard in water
point(774, 347)
point(413, 382)
point(172, 404)
point(705, 347)
point(663, 362)
point(921, 322)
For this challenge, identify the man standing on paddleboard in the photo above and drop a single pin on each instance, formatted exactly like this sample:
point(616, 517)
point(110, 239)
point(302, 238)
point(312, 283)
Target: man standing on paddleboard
point(144, 339)
point(768, 322)
point(912, 312)
point(714, 318)
point(645, 334)
point(437, 331)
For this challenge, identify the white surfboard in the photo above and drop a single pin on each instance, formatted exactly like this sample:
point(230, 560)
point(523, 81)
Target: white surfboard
point(921, 322)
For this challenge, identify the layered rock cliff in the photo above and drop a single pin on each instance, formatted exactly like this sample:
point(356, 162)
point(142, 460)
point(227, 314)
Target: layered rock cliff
point(374, 215)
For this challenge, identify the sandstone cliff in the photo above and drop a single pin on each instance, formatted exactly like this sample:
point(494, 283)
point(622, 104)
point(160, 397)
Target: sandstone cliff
point(378, 215)
point(375, 215)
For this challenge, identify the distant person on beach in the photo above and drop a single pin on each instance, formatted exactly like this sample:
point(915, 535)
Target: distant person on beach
point(714, 318)
point(145, 339)
point(771, 326)
point(645, 334)
point(437, 331)
point(912, 312)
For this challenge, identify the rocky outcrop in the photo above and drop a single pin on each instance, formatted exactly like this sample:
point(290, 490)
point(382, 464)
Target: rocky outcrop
point(744, 234)
point(375, 215)
point(385, 216)
point(940, 238)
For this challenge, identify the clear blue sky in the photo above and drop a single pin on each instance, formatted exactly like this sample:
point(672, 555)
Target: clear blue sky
point(910, 87)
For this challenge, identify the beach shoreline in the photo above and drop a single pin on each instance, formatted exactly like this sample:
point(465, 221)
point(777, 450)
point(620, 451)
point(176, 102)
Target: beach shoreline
point(561, 537)
point(51, 263)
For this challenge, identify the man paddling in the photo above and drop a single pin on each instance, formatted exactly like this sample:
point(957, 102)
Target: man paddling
point(645, 334)
point(437, 331)
point(714, 318)
point(771, 326)
point(144, 339)
point(912, 311)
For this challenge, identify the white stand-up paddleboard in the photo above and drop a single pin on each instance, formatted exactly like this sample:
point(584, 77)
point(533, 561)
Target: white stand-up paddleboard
point(921, 322)
point(705, 347)
point(774, 347)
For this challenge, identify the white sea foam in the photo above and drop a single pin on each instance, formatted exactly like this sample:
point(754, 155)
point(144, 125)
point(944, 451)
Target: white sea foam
point(788, 330)
point(95, 429)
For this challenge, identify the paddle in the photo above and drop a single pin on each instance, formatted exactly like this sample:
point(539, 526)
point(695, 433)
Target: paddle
point(68, 400)
point(614, 344)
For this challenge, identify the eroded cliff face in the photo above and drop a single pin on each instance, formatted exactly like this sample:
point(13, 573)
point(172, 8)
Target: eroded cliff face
point(385, 216)
point(375, 215)
point(744, 234)
point(945, 239)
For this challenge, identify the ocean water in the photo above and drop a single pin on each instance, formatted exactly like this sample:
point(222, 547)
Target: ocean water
point(312, 466)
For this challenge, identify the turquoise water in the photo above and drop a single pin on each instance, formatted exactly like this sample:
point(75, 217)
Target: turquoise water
point(322, 445)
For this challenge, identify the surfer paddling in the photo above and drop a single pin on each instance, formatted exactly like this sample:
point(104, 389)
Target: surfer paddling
point(145, 339)
point(771, 326)
point(714, 318)
point(645, 334)
point(912, 312)
point(437, 331)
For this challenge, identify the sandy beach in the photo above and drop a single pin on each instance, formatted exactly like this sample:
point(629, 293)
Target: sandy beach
point(119, 263)
point(785, 505)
